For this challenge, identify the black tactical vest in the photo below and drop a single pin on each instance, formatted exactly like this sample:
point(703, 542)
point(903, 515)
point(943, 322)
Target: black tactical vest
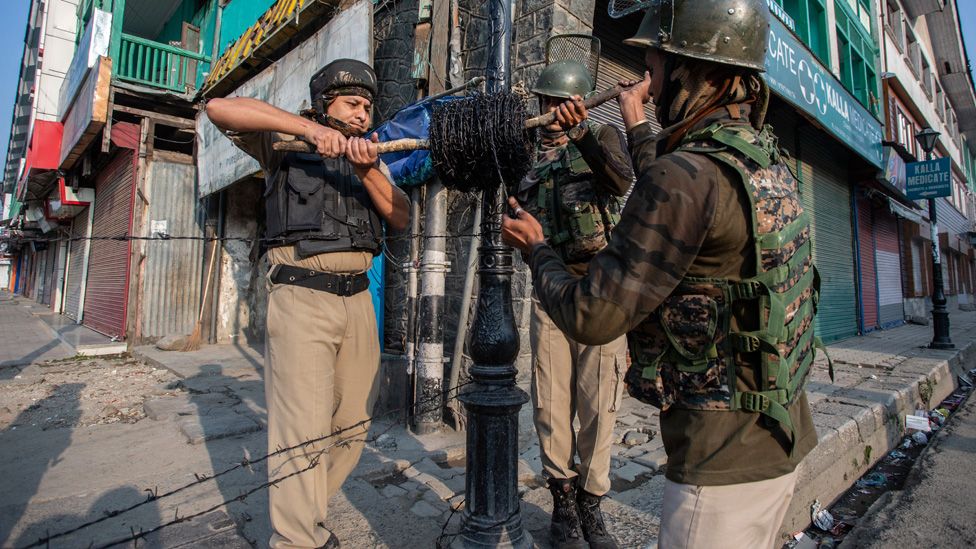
point(321, 205)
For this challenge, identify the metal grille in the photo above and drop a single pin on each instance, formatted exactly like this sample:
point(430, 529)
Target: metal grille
point(582, 48)
point(621, 8)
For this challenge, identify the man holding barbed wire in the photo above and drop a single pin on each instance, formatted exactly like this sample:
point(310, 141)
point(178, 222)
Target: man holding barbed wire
point(323, 213)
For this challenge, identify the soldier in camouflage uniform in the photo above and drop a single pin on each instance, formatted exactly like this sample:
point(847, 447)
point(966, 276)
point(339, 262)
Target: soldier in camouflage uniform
point(573, 189)
point(710, 274)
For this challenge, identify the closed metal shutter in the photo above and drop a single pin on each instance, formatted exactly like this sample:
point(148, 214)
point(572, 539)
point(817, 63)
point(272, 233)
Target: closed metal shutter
point(617, 62)
point(867, 280)
point(827, 196)
point(108, 269)
point(77, 260)
point(40, 275)
point(50, 272)
point(173, 268)
point(891, 308)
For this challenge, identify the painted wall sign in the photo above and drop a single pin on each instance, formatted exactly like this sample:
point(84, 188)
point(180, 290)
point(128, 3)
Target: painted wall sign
point(94, 44)
point(797, 76)
point(929, 179)
point(894, 170)
point(285, 85)
point(277, 16)
point(87, 113)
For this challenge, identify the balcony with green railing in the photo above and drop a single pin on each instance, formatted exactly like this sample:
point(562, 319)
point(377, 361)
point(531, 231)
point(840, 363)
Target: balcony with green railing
point(160, 56)
point(158, 65)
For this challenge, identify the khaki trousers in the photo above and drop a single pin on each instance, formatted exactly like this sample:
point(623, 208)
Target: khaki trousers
point(320, 377)
point(571, 380)
point(736, 516)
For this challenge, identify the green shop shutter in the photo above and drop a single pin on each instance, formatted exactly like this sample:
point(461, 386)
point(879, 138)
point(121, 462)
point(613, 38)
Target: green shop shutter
point(826, 195)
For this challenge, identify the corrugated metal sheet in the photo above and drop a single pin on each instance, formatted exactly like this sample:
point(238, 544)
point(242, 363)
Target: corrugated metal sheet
point(108, 270)
point(173, 268)
point(891, 309)
point(868, 277)
point(77, 259)
point(826, 194)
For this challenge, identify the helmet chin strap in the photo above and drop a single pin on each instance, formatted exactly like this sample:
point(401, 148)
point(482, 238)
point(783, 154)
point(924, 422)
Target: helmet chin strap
point(319, 115)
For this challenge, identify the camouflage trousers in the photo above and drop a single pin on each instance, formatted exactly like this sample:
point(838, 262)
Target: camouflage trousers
point(575, 381)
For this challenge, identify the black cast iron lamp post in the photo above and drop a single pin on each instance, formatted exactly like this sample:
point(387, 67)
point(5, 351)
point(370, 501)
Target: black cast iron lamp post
point(492, 513)
point(940, 316)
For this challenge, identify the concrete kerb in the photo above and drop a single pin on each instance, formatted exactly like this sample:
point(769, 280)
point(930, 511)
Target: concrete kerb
point(858, 425)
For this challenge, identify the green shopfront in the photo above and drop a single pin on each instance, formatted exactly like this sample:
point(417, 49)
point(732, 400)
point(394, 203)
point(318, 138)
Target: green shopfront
point(834, 143)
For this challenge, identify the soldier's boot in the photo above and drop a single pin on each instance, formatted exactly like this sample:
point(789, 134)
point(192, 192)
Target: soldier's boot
point(591, 518)
point(566, 531)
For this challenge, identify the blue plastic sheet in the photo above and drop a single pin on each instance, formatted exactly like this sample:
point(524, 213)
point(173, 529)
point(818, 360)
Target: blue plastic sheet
point(410, 168)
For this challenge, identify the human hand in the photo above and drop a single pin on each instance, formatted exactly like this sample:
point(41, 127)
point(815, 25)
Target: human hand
point(328, 142)
point(635, 91)
point(570, 113)
point(522, 231)
point(361, 153)
point(632, 100)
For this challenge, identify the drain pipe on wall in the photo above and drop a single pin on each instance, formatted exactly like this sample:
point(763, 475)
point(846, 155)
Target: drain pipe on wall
point(409, 346)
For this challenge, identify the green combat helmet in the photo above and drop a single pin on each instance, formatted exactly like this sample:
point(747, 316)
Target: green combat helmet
point(564, 79)
point(732, 33)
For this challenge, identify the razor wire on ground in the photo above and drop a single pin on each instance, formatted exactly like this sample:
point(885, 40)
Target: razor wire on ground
point(154, 496)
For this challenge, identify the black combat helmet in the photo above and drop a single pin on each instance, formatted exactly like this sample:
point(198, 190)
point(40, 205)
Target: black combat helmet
point(343, 77)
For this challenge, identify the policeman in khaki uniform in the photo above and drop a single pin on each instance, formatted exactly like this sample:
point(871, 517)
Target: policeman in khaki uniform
point(709, 272)
point(324, 215)
point(573, 188)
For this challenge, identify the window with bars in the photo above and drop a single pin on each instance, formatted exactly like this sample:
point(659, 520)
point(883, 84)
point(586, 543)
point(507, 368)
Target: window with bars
point(858, 55)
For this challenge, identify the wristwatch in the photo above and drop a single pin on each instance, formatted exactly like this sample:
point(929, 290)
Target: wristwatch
point(577, 132)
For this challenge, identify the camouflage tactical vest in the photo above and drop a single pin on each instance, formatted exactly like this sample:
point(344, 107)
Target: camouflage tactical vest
point(575, 215)
point(686, 354)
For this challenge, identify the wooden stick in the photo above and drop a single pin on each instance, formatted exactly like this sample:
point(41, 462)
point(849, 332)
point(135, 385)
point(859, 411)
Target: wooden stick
point(396, 145)
point(589, 103)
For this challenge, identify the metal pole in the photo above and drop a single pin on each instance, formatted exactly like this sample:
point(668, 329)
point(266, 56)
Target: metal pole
point(940, 315)
point(492, 514)
point(430, 333)
point(411, 266)
point(457, 357)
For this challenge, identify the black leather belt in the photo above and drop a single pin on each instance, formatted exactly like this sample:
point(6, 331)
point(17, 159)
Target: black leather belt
point(339, 284)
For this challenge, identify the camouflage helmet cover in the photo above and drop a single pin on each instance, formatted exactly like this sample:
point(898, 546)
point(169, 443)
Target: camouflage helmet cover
point(734, 32)
point(564, 79)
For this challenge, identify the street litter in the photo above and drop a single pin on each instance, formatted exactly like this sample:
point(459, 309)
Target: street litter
point(917, 422)
point(920, 438)
point(873, 479)
point(895, 454)
point(821, 517)
point(907, 444)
